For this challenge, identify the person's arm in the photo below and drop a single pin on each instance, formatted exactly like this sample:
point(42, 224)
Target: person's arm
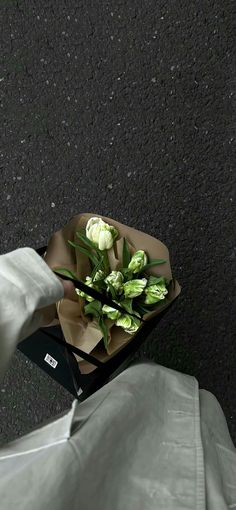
point(27, 285)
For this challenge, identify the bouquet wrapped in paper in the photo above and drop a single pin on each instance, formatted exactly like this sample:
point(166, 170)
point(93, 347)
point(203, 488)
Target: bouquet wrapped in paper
point(126, 265)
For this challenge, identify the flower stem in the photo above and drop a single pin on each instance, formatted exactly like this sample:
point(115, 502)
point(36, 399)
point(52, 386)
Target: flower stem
point(106, 262)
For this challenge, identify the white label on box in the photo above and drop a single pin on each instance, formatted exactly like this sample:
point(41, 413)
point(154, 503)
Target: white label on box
point(51, 361)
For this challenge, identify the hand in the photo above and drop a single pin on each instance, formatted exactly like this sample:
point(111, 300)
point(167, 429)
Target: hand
point(49, 313)
point(69, 288)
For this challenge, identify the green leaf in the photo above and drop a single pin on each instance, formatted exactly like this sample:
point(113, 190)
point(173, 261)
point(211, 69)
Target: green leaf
point(126, 254)
point(126, 273)
point(104, 330)
point(73, 244)
point(100, 284)
point(94, 308)
point(127, 305)
point(82, 230)
point(157, 261)
point(85, 240)
point(92, 257)
point(97, 267)
point(65, 272)
point(112, 290)
point(154, 262)
point(141, 309)
point(81, 234)
point(153, 280)
point(86, 252)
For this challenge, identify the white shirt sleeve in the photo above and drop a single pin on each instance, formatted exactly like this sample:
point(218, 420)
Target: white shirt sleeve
point(27, 284)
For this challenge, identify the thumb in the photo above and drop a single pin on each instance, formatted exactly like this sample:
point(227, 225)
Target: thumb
point(69, 289)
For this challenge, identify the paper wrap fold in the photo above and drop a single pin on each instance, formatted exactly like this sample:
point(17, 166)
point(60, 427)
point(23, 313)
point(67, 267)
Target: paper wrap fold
point(78, 329)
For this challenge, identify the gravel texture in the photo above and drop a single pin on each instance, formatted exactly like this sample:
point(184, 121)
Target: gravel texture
point(126, 109)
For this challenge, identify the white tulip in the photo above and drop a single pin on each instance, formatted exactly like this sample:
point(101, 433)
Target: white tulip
point(100, 275)
point(115, 278)
point(82, 294)
point(138, 261)
point(129, 324)
point(100, 233)
point(105, 241)
point(134, 288)
point(110, 312)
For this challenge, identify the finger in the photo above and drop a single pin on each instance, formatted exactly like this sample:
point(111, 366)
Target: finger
point(69, 289)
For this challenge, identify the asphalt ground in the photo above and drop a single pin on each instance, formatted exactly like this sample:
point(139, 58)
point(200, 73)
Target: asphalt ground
point(126, 109)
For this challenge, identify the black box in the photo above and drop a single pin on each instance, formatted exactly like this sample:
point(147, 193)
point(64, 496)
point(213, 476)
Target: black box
point(48, 348)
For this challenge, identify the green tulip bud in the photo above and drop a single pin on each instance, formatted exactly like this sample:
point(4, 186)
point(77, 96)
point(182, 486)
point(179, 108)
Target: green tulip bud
point(138, 261)
point(100, 233)
point(115, 278)
point(111, 312)
point(155, 293)
point(134, 288)
point(129, 324)
point(99, 275)
point(82, 294)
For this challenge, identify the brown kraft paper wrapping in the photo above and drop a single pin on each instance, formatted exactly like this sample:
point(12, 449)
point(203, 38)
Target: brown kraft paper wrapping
point(79, 330)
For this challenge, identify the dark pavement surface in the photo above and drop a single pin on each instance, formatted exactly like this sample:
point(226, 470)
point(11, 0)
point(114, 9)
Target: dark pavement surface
point(126, 109)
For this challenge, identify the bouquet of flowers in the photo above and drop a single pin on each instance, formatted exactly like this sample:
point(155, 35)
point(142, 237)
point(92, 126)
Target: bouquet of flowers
point(129, 286)
point(123, 264)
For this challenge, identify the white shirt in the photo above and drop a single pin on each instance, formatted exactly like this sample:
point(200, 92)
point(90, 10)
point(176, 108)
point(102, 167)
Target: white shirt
point(148, 440)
